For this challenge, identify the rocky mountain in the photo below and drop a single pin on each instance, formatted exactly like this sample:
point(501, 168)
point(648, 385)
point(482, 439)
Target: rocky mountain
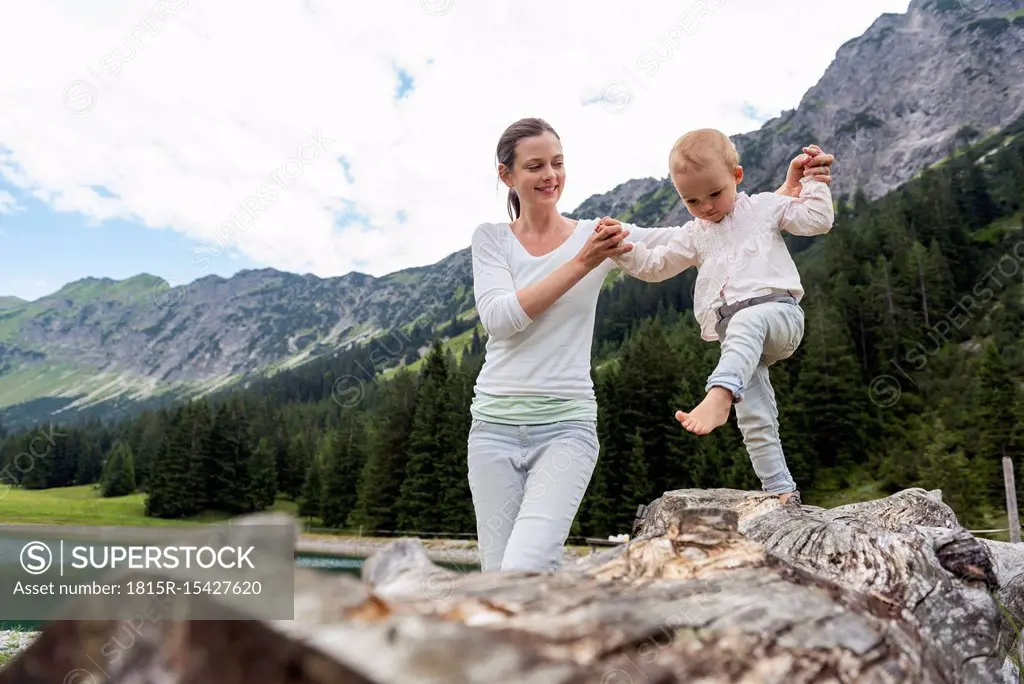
point(618, 201)
point(896, 98)
point(894, 101)
point(97, 339)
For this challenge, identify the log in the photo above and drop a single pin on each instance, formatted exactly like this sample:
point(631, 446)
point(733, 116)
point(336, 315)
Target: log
point(716, 586)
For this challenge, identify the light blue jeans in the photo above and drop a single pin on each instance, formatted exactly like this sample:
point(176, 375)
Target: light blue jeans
point(755, 338)
point(527, 483)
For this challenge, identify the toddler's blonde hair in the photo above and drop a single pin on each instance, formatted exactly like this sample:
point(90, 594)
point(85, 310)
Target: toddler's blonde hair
point(699, 149)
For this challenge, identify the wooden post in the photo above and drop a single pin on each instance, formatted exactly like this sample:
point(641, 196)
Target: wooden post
point(638, 518)
point(1011, 500)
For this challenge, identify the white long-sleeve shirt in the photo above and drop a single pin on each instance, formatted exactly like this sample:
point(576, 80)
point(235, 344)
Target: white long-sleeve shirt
point(548, 356)
point(742, 256)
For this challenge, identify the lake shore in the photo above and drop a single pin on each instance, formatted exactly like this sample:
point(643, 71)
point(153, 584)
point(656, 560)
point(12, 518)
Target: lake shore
point(439, 550)
point(448, 551)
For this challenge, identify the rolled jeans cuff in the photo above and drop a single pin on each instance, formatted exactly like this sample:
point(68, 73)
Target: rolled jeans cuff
point(729, 381)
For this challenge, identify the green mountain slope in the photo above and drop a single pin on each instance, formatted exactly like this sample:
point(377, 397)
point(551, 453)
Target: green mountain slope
point(98, 341)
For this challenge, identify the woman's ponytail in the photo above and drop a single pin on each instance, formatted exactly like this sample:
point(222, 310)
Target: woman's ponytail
point(513, 204)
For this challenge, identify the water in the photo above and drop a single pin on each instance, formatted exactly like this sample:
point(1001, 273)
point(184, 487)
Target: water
point(344, 564)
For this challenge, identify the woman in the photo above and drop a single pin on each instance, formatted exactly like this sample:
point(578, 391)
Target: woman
point(533, 439)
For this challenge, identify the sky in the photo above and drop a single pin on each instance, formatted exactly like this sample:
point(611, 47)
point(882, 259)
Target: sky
point(184, 138)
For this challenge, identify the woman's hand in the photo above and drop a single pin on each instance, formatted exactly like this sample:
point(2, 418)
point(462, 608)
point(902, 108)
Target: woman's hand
point(607, 240)
point(813, 163)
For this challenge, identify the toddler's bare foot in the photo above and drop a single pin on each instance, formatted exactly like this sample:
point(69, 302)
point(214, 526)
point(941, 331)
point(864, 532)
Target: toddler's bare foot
point(711, 413)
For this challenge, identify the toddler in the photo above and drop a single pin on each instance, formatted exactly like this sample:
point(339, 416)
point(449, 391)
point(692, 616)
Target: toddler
point(747, 291)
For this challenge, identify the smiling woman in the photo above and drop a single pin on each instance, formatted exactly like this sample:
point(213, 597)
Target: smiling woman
point(533, 439)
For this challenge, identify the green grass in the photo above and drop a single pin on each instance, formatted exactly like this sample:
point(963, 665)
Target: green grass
point(827, 497)
point(83, 505)
point(7, 302)
point(34, 380)
point(10, 322)
point(456, 344)
point(997, 229)
point(9, 648)
point(407, 277)
point(829, 493)
point(613, 277)
point(137, 289)
point(37, 380)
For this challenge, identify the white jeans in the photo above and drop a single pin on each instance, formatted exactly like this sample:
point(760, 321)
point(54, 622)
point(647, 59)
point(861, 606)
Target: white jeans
point(755, 338)
point(527, 483)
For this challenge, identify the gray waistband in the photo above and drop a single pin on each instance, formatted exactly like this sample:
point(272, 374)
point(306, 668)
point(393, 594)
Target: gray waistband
point(730, 309)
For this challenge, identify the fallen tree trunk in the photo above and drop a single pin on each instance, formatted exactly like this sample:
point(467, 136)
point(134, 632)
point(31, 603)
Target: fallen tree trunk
point(716, 586)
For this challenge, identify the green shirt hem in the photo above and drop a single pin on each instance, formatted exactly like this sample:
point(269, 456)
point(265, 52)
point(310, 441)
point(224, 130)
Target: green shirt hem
point(531, 410)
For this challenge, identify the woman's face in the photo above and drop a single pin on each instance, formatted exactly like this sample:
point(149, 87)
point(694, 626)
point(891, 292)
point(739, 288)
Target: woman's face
point(538, 173)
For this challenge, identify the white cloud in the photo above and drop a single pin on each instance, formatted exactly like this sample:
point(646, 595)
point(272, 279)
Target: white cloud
point(8, 204)
point(183, 109)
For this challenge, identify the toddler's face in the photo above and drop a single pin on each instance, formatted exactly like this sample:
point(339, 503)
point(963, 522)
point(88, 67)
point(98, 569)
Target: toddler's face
point(710, 193)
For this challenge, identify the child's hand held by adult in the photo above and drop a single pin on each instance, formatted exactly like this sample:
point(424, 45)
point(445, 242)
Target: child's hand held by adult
point(607, 240)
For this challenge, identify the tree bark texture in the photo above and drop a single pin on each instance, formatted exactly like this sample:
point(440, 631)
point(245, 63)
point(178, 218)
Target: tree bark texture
point(716, 586)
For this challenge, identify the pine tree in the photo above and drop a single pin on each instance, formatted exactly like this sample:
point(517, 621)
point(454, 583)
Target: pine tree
point(456, 504)
point(1008, 177)
point(721, 460)
point(119, 473)
point(638, 490)
point(149, 429)
point(888, 311)
point(263, 471)
point(293, 464)
point(612, 433)
point(939, 279)
point(36, 463)
point(970, 192)
point(231, 444)
point(344, 451)
point(203, 455)
point(90, 462)
point(643, 390)
point(597, 514)
point(420, 492)
point(925, 310)
point(600, 506)
point(994, 418)
point(311, 499)
point(476, 346)
point(685, 465)
point(384, 471)
point(63, 458)
point(171, 491)
point(830, 403)
point(945, 467)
